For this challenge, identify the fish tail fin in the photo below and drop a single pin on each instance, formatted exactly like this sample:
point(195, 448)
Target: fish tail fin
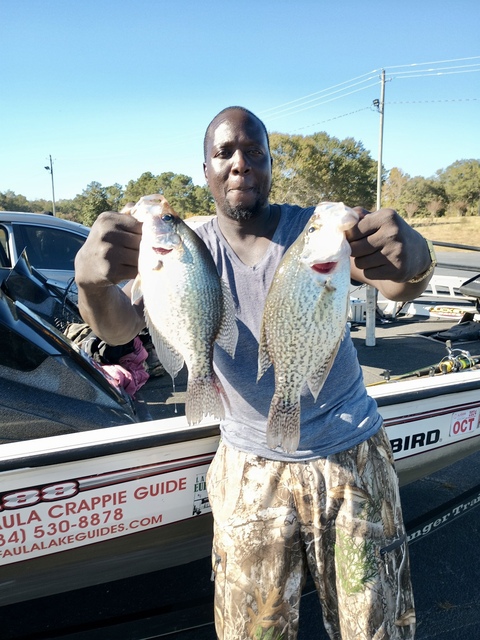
point(204, 398)
point(283, 425)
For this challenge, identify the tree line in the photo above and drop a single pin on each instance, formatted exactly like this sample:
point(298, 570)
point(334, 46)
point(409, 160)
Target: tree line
point(306, 170)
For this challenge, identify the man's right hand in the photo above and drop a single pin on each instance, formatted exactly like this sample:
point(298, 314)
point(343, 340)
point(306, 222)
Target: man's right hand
point(110, 253)
point(108, 258)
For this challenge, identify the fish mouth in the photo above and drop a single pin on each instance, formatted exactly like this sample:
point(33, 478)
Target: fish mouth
point(324, 267)
point(161, 250)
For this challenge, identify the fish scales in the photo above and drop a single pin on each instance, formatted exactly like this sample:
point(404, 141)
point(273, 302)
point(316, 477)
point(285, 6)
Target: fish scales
point(187, 305)
point(304, 318)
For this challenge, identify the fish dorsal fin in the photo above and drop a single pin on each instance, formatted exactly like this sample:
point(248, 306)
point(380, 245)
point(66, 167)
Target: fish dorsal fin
point(168, 356)
point(136, 291)
point(228, 333)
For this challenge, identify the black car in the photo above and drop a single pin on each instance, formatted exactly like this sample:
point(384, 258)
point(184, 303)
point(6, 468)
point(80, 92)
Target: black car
point(50, 243)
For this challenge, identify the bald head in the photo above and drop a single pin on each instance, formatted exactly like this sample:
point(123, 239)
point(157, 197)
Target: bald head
point(220, 117)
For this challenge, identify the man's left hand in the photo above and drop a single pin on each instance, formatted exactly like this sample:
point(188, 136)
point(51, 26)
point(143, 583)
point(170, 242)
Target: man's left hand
point(385, 247)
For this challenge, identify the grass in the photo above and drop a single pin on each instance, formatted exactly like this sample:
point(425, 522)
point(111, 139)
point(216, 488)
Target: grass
point(458, 230)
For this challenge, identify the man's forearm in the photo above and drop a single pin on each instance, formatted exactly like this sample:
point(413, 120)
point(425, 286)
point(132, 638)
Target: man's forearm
point(110, 314)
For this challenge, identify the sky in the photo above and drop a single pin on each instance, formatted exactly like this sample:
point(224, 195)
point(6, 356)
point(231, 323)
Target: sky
point(111, 89)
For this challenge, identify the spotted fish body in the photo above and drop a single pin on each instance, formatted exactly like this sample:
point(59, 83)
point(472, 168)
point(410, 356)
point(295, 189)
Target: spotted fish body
point(187, 306)
point(304, 317)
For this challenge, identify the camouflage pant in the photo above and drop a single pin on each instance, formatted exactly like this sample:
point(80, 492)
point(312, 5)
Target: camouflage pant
point(340, 516)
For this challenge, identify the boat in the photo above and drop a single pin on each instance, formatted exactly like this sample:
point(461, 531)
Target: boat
point(96, 486)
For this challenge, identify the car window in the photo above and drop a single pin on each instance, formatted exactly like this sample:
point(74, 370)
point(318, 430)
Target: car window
point(48, 248)
point(4, 251)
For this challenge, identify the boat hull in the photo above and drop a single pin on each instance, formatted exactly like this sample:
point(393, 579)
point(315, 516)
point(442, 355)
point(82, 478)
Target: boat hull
point(93, 507)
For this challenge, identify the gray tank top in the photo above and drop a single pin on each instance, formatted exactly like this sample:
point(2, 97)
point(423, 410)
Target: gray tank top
point(344, 414)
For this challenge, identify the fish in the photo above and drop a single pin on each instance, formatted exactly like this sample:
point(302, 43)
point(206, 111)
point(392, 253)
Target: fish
point(304, 318)
point(187, 305)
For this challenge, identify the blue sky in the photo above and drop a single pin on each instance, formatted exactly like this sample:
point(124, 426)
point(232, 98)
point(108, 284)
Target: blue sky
point(114, 88)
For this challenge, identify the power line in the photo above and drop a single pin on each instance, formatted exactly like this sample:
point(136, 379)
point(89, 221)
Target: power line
point(437, 73)
point(322, 102)
point(347, 88)
point(433, 101)
point(343, 115)
point(342, 89)
point(310, 95)
point(371, 108)
point(460, 66)
point(418, 64)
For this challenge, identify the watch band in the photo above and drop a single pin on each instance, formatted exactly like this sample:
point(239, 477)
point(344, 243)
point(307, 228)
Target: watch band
point(433, 264)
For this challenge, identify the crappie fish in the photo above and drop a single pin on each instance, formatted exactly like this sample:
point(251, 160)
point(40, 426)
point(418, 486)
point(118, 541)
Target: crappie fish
point(187, 305)
point(304, 317)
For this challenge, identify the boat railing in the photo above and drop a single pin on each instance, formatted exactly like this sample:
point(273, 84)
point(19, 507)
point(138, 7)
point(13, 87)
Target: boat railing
point(443, 287)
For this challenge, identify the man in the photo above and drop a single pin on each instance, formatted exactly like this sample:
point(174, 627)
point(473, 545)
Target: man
point(333, 505)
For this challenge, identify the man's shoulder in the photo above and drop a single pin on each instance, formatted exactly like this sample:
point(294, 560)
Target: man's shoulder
point(203, 228)
point(294, 210)
point(296, 216)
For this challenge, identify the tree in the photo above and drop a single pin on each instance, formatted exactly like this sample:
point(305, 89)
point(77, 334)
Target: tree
point(460, 206)
point(411, 209)
point(184, 197)
point(435, 207)
point(204, 199)
point(70, 209)
point(114, 195)
point(315, 168)
point(393, 187)
point(179, 190)
point(420, 192)
point(95, 201)
point(145, 185)
point(10, 201)
point(461, 181)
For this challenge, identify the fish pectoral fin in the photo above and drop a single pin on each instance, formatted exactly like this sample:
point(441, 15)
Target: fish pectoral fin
point(171, 360)
point(136, 292)
point(228, 333)
point(317, 380)
point(264, 360)
point(329, 286)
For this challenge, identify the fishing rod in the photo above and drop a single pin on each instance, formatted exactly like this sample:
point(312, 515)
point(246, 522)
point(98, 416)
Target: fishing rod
point(455, 360)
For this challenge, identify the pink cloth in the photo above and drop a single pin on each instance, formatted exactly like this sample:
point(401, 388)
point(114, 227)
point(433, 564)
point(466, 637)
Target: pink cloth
point(130, 373)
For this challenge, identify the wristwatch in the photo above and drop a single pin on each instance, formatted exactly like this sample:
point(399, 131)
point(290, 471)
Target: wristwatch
point(432, 266)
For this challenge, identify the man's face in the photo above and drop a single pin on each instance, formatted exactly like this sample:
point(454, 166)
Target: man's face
point(238, 165)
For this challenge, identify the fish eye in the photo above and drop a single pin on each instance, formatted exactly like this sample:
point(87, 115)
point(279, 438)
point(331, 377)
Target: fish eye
point(311, 229)
point(167, 217)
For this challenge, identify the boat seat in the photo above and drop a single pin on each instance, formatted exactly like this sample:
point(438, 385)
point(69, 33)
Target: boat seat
point(471, 288)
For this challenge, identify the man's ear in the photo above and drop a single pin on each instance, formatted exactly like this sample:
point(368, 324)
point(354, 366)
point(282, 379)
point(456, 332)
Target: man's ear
point(205, 172)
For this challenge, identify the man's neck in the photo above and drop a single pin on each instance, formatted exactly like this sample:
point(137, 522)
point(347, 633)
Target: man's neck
point(250, 238)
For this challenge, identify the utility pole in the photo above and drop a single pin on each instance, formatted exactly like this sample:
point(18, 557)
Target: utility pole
point(50, 168)
point(371, 293)
point(381, 108)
